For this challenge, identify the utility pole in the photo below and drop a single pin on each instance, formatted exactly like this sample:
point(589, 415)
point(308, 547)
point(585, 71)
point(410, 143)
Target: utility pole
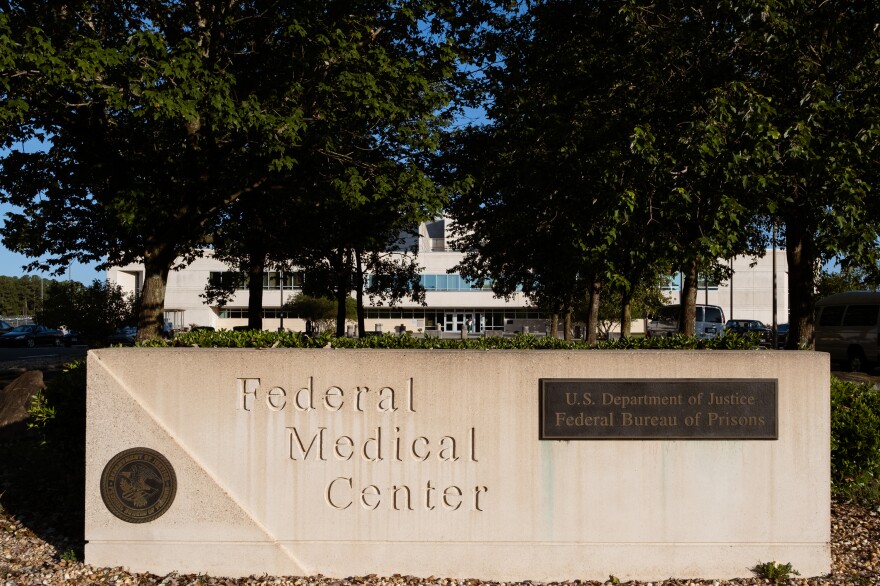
point(775, 327)
point(731, 290)
point(281, 305)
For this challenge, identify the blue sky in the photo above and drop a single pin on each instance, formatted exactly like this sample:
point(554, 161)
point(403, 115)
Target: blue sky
point(11, 263)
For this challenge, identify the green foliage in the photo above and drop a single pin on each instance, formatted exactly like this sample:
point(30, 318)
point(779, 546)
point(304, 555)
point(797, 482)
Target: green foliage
point(69, 556)
point(156, 120)
point(644, 298)
point(813, 112)
point(267, 339)
point(94, 311)
point(855, 440)
point(625, 133)
point(40, 413)
point(849, 279)
point(774, 572)
point(22, 295)
point(319, 309)
point(58, 414)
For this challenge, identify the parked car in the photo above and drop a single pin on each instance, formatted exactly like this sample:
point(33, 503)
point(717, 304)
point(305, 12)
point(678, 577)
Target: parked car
point(30, 335)
point(73, 339)
point(781, 335)
point(709, 321)
point(125, 336)
point(848, 328)
point(745, 327)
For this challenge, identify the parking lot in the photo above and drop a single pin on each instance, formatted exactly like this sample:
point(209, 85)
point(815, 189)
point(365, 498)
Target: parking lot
point(31, 358)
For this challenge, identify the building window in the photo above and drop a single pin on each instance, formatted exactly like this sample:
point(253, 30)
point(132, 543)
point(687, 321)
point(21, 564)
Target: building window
point(707, 282)
point(452, 283)
point(226, 279)
point(493, 319)
point(674, 283)
point(242, 313)
point(292, 279)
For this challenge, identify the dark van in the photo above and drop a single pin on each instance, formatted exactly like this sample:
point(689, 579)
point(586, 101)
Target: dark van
point(847, 328)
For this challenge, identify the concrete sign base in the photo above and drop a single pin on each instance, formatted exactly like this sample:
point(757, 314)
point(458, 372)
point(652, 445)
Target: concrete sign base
point(245, 462)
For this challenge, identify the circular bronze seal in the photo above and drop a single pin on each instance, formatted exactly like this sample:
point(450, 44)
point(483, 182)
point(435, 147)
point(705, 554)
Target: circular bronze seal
point(138, 485)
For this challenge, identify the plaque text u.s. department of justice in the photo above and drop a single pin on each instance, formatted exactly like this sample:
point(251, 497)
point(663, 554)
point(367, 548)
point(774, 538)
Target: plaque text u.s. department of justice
point(579, 409)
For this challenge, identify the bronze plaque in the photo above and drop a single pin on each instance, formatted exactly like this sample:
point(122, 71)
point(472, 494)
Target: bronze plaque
point(138, 485)
point(576, 409)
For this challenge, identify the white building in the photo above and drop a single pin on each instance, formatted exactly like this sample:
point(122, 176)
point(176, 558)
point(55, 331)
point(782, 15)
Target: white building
point(749, 294)
point(450, 299)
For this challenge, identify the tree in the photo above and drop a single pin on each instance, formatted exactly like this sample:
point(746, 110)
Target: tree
point(94, 311)
point(542, 214)
point(144, 110)
point(22, 295)
point(318, 309)
point(361, 174)
point(814, 65)
point(830, 282)
point(694, 139)
point(156, 116)
point(620, 304)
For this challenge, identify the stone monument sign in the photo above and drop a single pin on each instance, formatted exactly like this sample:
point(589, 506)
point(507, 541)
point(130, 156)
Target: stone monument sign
point(506, 465)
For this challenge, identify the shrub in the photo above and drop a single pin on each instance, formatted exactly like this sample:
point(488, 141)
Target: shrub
point(775, 573)
point(855, 440)
point(58, 414)
point(268, 339)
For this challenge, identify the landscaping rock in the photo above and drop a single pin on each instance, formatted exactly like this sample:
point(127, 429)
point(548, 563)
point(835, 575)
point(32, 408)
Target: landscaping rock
point(15, 399)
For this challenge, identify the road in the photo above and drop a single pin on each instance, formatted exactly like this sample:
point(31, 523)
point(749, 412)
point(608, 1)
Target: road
point(23, 357)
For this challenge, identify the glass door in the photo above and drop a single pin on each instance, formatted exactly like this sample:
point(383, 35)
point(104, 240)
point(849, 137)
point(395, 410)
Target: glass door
point(453, 322)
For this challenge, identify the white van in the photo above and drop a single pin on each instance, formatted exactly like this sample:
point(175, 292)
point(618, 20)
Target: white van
point(847, 328)
point(709, 322)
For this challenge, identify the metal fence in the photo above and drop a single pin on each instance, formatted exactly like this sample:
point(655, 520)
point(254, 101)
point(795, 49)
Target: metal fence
point(18, 320)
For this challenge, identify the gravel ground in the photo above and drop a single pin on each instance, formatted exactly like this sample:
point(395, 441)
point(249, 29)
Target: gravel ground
point(27, 559)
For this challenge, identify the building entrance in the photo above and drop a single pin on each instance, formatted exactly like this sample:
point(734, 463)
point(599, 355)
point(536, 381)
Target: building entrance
point(453, 322)
point(456, 321)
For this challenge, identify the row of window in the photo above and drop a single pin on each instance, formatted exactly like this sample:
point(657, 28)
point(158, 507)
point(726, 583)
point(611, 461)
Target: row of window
point(452, 283)
point(674, 283)
point(242, 313)
point(271, 279)
point(294, 280)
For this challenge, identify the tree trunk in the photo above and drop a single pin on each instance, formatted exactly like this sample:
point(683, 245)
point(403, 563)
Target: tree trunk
point(626, 315)
point(255, 269)
point(554, 324)
point(343, 288)
point(566, 334)
point(802, 258)
point(593, 314)
point(359, 292)
point(151, 316)
point(688, 314)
